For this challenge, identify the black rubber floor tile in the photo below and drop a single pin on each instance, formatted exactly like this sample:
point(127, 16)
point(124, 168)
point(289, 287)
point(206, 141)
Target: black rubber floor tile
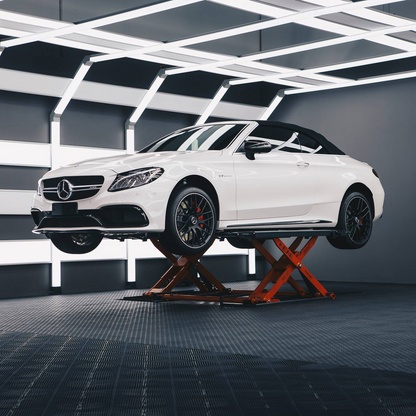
point(94, 354)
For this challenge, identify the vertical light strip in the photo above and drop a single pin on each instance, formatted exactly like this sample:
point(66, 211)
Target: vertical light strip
point(55, 147)
point(131, 261)
point(252, 261)
point(73, 86)
point(130, 146)
point(273, 105)
point(139, 110)
point(56, 266)
point(213, 103)
point(55, 141)
point(157, 82)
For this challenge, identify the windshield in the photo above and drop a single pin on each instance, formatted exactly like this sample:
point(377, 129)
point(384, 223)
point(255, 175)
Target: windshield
point(215, 137)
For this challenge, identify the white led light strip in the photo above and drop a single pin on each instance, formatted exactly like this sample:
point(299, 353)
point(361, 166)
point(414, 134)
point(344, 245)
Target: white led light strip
point(292, 18)
point(296, 49)
point(104, 21)
point(364, 81)
point(213, 103)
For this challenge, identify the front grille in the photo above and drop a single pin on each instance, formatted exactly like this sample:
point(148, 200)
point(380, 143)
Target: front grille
point(78, 187)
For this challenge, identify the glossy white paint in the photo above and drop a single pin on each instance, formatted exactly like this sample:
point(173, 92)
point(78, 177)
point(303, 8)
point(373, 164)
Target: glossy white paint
point(276, 190)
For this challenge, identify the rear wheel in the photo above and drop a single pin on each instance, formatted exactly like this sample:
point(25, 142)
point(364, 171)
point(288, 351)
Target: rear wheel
point(191, 221)
point(79, 243)
point(356, 217)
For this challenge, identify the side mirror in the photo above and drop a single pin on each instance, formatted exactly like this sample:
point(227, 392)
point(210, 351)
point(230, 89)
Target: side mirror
point(251, 147)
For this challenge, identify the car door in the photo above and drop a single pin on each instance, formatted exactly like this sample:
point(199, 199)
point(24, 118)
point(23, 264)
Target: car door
point(275, 185)
point(330, 175)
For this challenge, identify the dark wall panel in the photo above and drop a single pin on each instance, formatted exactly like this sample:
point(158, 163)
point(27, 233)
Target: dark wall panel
point(374, 124)
point(44, 58)
point(227, 268)
point(17, 227)
point(93, 276)
point(94, 125)
point(24, 280)
point(149, 271)
point(18, 177)
point(155, 124)
point(25, 117)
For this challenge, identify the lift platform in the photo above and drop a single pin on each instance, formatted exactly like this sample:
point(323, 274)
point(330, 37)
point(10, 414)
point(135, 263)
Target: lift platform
point(209, 289)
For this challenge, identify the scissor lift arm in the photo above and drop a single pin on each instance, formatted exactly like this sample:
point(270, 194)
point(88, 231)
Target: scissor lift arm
point(269, 289)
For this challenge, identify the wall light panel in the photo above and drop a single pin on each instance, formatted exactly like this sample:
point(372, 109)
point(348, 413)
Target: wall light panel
point(18, 153)
point(25, 252)
point(16, 202)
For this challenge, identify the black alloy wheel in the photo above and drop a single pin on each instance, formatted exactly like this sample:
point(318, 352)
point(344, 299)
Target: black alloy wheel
point(356, 218)
point(79, 243)
point(190, 223)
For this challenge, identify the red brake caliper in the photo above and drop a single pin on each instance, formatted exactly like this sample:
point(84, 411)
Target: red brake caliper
point(201, 217)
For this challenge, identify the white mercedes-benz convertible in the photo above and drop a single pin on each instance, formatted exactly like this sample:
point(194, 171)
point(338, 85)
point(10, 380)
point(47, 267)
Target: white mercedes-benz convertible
point(234, 175)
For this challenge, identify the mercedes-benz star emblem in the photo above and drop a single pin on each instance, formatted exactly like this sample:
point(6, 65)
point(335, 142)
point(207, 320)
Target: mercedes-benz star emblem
point(64, 190)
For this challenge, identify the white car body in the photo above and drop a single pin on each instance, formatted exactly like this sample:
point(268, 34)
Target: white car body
point(275, 190)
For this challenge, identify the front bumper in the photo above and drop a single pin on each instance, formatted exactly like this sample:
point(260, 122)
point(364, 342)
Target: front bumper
point(110, 217)
point(93, 213)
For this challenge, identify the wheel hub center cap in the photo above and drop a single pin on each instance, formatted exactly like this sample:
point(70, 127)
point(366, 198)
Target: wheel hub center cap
point(356, 219)
point(193, 220)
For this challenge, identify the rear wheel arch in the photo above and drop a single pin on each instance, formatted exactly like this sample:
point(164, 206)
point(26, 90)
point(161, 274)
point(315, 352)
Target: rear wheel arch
point(360, 187)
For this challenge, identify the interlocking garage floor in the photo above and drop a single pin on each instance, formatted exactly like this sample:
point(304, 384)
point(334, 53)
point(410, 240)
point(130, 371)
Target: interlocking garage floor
point(95, 354)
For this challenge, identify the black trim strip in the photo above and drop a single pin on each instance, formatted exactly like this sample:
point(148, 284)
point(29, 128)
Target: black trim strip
point(266, 224)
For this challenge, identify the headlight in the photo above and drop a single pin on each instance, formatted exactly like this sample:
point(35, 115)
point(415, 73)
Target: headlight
point(39, 192)
point(135, 178)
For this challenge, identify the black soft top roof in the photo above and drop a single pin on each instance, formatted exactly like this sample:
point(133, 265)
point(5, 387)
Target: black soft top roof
point(313, 134)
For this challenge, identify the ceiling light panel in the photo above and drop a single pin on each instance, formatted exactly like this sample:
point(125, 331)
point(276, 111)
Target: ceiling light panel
point(31, 20)
point(256, 8)
point(299, 48)
point(353, 21)
point(360, 82)
point(243, 29)
point(395, 43)
point(104, 21)
point(380, 17)
point(332, 27)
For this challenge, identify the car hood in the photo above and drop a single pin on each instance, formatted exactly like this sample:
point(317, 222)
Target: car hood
point(124, 163)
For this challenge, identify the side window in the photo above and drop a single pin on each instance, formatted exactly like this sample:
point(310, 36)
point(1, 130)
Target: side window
point(310, 145)
point(283, 140)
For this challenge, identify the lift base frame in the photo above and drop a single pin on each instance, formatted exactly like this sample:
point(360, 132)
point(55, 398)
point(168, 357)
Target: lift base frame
point(269, 289)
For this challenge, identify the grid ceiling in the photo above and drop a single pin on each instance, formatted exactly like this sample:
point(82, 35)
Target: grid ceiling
point(332, 31)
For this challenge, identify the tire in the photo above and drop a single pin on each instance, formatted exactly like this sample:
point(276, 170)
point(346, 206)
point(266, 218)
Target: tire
point(80, 243)
point(191, 222)
point(356, 217)
point(242, 242)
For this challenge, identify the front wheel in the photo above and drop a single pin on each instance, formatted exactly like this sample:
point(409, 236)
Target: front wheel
point(356, 218)
point(191, 222)
point(80, 243)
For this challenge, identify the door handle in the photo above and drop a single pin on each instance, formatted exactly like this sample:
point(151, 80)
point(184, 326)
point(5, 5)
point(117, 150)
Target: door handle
point(303, 164)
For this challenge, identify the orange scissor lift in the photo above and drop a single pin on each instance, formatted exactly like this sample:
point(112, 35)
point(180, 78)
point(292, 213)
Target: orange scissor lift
point(268, 291)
